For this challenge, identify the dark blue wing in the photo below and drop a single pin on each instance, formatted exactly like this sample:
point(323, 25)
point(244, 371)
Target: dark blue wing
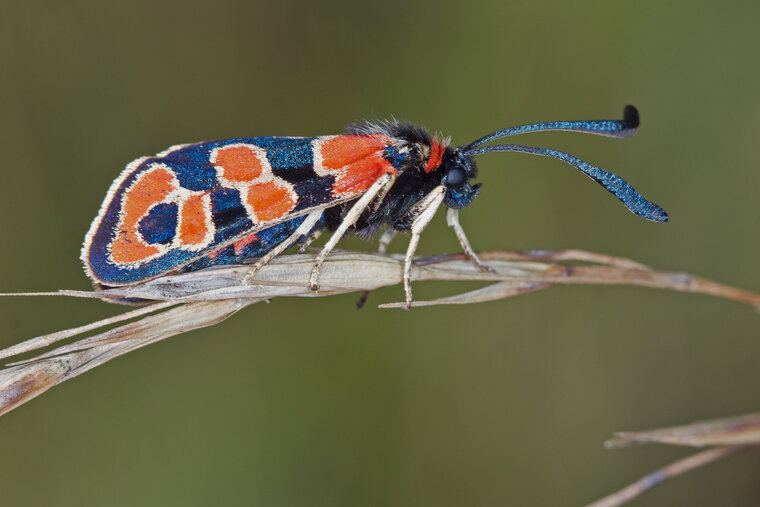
point(191, 183)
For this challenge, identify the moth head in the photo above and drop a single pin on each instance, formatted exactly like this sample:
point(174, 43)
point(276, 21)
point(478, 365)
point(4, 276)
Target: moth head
point(456, 171)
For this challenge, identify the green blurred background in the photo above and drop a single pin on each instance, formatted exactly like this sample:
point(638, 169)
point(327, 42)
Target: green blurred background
point(311, 402)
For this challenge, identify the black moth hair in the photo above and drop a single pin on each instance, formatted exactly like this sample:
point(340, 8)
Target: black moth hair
point(391, 128)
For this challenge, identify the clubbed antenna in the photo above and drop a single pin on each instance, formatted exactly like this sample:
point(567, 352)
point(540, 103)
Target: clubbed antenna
point(610, 128)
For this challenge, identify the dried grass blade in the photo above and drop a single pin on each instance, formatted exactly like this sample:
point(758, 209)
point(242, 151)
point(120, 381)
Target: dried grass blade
point(740, 430)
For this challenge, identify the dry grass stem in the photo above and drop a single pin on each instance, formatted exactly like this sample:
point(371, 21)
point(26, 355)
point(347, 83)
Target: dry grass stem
point(673, 470)
point(194, 300)
point(732, 434)
point(742, 430)
point(28, 379)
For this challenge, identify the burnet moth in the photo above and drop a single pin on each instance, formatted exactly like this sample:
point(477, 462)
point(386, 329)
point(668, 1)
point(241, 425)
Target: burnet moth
point(231, 201)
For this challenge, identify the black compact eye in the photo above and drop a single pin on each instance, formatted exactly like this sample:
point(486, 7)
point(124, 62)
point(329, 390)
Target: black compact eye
point(455, 177)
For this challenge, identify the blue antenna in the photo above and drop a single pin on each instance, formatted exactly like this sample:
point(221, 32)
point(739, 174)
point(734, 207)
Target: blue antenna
point(610, 128)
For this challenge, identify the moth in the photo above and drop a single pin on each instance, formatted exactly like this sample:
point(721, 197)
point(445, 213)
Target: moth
point(194, 206)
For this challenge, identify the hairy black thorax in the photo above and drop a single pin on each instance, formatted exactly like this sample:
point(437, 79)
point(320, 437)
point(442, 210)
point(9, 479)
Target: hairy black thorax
point(413, 144)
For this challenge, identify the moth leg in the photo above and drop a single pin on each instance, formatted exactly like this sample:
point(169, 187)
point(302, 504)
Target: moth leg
point(350, 219)
point(378, 200)
point(306, 226)
point(385, 240)
point(424, 211)
point(382, 247)
point(452, 218)
point(308, 241)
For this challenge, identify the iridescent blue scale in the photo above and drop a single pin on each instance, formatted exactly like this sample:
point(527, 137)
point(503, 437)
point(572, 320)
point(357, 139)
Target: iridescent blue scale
point(230, 201)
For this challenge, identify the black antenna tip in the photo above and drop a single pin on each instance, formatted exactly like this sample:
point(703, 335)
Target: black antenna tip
point(631, 116)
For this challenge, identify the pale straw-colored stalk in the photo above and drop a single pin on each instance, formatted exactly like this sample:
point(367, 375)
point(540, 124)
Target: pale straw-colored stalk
point(180, 303)
point(724, 437)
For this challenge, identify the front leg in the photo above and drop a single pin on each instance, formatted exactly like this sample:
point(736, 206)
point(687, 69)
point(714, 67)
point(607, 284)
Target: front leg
point(452, 218)
point(424, 211)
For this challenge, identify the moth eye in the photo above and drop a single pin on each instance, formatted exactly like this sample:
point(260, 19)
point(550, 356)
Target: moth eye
point(455, 177)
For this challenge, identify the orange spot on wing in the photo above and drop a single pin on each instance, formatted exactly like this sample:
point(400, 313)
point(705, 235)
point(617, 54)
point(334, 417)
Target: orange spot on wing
point(357, 161)
point(127, 247)
point(360, 175)
point(240, 244)
point(270, 201)
point(341, 151)
point(150, 189)
point(193, 221)
point(239, 163)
